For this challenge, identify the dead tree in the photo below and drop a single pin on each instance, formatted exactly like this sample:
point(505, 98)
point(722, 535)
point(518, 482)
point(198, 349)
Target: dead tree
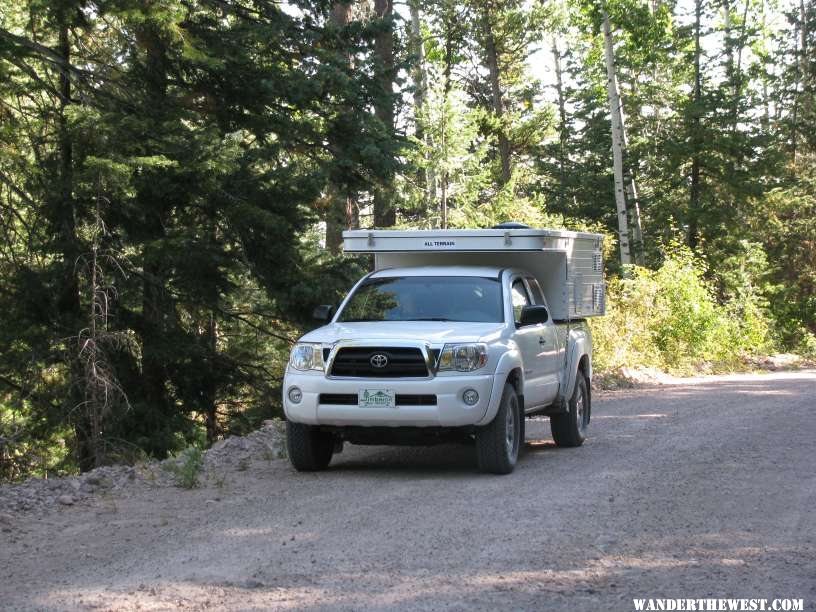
point(101, 387)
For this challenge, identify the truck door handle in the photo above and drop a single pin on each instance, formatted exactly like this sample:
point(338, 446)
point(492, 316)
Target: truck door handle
point(542, 340)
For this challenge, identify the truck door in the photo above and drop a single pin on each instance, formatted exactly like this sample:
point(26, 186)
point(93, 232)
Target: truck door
point(551, 351)
point(527, 339)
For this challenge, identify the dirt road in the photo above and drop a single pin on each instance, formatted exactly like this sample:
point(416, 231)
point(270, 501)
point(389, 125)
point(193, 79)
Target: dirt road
point(705, 489)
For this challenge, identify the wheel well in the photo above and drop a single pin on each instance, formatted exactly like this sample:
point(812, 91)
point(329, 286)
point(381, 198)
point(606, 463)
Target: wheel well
point(583, 365)
point(583, 368)
point(514, 378)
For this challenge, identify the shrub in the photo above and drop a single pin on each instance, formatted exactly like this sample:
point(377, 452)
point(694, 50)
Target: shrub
point(669, 319)
point(620, 338)
point(186, 467)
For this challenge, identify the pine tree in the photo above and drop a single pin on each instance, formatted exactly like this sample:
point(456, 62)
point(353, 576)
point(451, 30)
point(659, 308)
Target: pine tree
point(204, 130)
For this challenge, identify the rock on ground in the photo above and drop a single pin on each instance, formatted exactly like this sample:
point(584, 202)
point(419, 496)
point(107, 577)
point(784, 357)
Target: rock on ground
point(38, 495)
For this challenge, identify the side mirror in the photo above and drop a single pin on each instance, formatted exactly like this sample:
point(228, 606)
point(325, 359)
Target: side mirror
point(323, 313)
point(533, 315)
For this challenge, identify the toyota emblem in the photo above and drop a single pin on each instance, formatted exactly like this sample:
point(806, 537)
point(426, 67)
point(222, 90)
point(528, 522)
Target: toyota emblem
point(378, 360)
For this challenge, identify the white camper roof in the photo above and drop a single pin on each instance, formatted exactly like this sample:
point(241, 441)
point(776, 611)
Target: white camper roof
point(567, 265)
point(463, 240)
point(482, 271)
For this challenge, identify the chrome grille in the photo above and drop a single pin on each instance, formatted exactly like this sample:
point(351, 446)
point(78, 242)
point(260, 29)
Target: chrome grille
point(402, 362)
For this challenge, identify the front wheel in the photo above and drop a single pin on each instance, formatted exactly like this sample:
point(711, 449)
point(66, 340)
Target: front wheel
point(570, 428)
point(310, 449)
point(497, 444)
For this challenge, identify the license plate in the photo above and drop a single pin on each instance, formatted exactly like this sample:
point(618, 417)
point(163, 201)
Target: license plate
point(376, 398)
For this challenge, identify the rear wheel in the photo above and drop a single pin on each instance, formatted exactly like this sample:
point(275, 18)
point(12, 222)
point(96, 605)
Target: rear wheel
point(310, 449)
point(498, 444)
point(569, 429)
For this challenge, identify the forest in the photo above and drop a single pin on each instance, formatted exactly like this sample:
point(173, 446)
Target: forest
point(175, 176)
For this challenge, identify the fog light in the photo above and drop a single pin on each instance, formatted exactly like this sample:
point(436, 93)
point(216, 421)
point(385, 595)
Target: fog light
point(470, 397)
point(295, 395)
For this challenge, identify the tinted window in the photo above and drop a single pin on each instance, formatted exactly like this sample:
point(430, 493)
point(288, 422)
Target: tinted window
point(426, 298)
point(520, 298)
point(535, 288)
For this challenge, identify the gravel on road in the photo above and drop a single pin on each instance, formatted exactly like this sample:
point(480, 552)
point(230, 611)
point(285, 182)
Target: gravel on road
point(702, 489)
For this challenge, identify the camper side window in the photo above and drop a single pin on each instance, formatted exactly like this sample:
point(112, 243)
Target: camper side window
point(520, 298)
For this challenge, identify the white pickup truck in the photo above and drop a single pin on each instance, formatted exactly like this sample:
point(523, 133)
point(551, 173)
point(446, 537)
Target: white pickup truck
point(456, 335)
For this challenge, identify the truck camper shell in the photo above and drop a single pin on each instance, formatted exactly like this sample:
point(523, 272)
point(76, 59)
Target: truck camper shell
point(567, 265)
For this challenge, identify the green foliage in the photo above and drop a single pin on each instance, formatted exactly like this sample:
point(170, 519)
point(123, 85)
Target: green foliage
point(201, 134)
point(790, 237)
point(215, 142)
point(670, 319)
point(466, 115)
point(452, 149)
point(28, 448)
point(186, 467)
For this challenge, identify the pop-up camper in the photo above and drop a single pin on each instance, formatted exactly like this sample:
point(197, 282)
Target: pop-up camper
point(455, 334)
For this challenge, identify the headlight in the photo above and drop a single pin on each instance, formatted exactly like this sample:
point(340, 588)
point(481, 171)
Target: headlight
point(462, 357)
point(307, 356)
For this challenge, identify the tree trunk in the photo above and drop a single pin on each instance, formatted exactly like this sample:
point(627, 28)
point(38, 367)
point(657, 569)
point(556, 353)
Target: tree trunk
point(154, 376)
point(563, 133)
point(633, 202)
point(384, 210)
point(766, 103)
point(210, 390)
point(68, 300)
point(656, 6)
point(156, 307)
point(446, 89)
point(443, 202)
point(65, 209)
point(93, 406)
point(696, 144)
point(807, 95)
point(494, 76)
point(728, 42)
point(630, 186)
point(794, 124)
point(631, 196)
point(341, 212)
point(735, 49)
point(632, 199)
point(99, 380)
point(418, 51)
point(617, 143)
point(425, 177)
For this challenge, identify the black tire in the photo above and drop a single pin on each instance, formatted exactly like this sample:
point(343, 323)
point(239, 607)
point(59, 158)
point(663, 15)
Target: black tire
point(496, 451)
point(310, 450)
point(570, 428)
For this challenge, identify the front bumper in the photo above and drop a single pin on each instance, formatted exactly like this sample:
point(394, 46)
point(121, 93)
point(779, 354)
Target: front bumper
point(450, 410)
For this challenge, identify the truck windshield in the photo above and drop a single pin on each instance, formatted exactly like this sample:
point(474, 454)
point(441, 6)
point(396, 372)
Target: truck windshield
point(426, 298)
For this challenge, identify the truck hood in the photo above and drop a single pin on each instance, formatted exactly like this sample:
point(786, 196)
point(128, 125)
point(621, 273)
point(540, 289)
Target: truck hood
point(433, 332)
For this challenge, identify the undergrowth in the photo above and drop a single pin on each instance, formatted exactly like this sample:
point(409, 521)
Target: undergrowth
point(670, 319)
point(186, 467)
